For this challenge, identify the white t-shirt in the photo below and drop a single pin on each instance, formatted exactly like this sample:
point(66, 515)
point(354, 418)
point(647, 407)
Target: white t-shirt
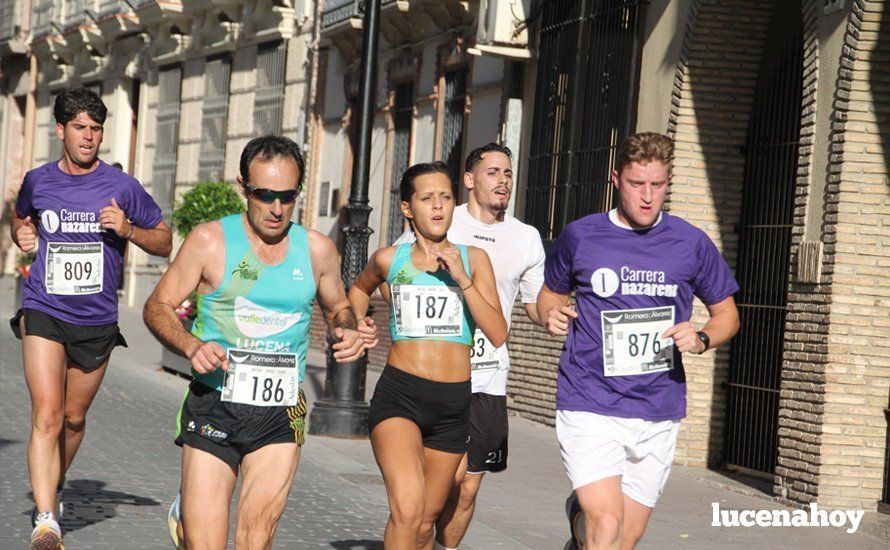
point(517, 257)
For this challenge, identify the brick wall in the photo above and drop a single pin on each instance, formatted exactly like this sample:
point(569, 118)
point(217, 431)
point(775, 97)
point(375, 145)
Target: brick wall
point(802, 393)
point(713, 93)
point(858, 209)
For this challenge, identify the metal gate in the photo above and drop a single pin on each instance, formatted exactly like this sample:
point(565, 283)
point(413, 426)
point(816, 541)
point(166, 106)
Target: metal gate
point(771, 153)
point(586, 94)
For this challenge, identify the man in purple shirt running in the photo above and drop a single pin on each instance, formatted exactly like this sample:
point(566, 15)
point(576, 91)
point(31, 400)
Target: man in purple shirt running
point(77, 214)
point(621, 389)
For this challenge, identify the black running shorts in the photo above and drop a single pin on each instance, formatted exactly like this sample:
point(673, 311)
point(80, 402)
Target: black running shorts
point(440, 409)
point(229, 431)
point(487, 451)
point(87, 347)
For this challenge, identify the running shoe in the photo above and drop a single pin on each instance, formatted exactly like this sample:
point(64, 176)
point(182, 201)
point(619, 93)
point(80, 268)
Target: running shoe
point(47, 535)
point(174, 518)
point(576, 523)
point(60, 509)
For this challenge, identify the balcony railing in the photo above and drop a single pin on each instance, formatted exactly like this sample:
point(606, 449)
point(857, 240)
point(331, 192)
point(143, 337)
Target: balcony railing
point(337, 11)
point(108, 7)
point(43, 17)
point(74, 14)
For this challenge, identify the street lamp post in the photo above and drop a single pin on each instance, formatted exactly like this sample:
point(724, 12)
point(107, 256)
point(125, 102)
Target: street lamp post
point(343, 412)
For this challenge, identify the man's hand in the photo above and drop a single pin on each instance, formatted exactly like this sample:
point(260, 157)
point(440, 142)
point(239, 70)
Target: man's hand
point(26, 235)
point(558, 320)
point(207, 357)
point(450, 260)
point(368, 331)
point(350, 345)
point(113, 217)
point(685, 338)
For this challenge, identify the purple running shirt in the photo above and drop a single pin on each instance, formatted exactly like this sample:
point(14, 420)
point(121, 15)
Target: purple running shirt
point(630, 286)
point(75, 274)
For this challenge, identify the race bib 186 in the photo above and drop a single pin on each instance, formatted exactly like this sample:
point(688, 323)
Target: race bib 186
point(483, 354)
point(422, 310)
point(261, 379)
point(73, 269)
point(632, 342)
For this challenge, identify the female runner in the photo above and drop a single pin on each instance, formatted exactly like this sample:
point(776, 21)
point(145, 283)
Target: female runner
point(438, 293)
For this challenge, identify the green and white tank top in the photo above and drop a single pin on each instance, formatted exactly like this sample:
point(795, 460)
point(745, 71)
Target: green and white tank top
point(258, 307)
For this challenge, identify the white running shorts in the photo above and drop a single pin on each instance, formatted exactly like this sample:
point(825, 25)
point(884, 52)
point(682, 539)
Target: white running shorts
point(596, 446)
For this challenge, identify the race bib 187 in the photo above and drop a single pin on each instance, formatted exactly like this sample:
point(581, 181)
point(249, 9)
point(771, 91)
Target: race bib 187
point(261, 379)
point(632, 342)
point(74, 269)
point(427, 310)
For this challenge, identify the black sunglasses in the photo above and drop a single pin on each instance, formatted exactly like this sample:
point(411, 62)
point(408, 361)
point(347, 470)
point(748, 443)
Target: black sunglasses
point(269, 196)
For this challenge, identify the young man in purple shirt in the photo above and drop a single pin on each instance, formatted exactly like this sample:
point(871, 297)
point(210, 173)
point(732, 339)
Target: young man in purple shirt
point(77, 214)
point(621, 390)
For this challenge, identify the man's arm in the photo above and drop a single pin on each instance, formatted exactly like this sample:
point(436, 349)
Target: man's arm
point(181, 278)
point(531, 310)
point(157, 241)
point(555, 312)
point(720, 328)
point(337, 310)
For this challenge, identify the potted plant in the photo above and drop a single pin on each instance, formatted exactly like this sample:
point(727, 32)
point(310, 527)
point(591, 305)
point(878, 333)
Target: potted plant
point(22, 271)
point(205, 202)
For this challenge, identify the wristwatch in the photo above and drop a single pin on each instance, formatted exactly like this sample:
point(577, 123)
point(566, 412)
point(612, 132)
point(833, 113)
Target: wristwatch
point(706, 340)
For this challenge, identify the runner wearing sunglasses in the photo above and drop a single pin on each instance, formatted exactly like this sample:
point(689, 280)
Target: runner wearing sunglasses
point(257, 275)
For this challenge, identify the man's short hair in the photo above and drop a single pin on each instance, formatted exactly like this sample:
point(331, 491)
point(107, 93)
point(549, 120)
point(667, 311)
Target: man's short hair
point(475, 156)
point(645, 147)
point(70, 103)
point(267, 148)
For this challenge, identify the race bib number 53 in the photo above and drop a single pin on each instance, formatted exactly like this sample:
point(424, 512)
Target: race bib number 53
point(632, 342)
point(427, 310)
point(261, 379)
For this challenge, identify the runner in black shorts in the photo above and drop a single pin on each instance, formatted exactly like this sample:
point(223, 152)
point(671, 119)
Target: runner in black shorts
point(83, 212)
point(257, 275)
point(517, 258)
point(419, 416)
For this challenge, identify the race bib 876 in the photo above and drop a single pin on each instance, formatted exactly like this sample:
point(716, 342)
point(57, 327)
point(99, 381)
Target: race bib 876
point(632, 341)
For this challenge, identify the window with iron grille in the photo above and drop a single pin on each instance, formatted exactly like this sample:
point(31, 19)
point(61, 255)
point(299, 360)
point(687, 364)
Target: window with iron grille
point(167, 138)
point(453, 122)
point(403, 117)
point(588, 75)
point(269, 98)
point(213, 120)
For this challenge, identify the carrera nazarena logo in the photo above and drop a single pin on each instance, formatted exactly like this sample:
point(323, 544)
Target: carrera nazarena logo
point(255, 321)
point(70, 221)
point(632, 282)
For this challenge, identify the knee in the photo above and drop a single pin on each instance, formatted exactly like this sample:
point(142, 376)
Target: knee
point(407, 512)
point(603, 527)
point(426, 531)
point(75, 422)
point(48, 420)
point(257, 524)
point(468, 493)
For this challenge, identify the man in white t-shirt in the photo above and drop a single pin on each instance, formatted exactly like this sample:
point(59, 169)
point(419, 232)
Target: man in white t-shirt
point(517, 256)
